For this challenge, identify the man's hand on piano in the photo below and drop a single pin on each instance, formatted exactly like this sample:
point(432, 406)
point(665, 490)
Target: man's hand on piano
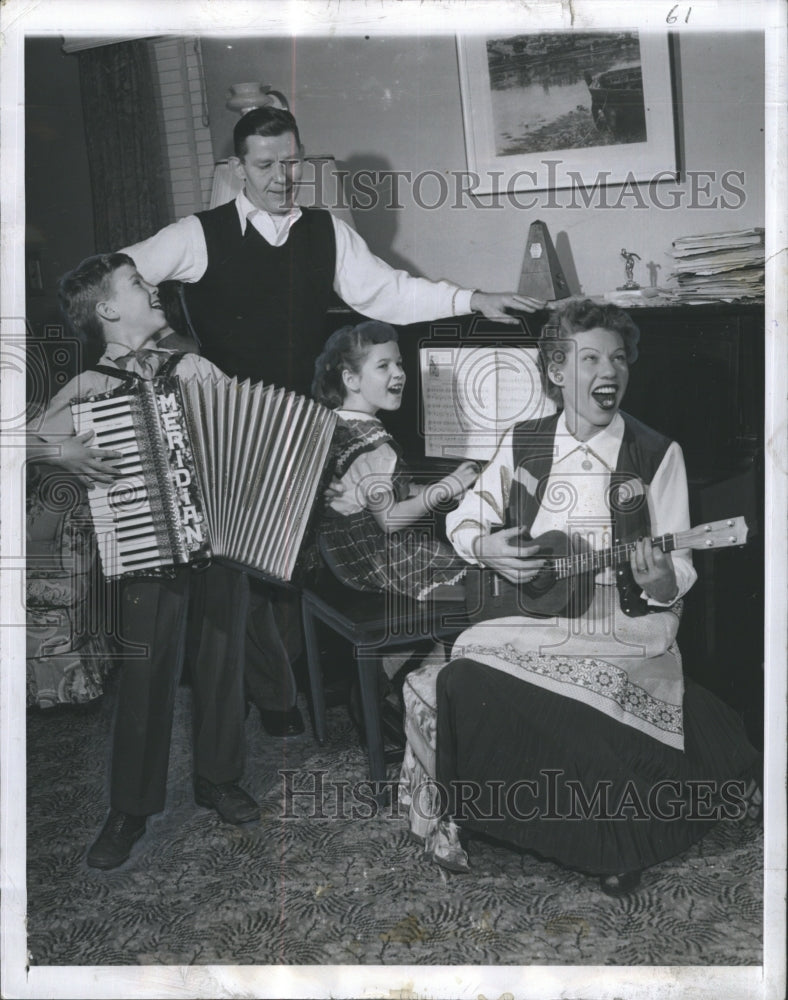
point(501, 305)
point(92, 463)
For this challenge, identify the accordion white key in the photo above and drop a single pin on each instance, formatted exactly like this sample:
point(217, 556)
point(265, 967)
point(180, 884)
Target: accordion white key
point(210, 468)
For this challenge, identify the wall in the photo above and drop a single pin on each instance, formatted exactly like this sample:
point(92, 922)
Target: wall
point(393, 103)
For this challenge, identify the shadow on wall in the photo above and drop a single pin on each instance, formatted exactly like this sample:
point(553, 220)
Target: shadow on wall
point(564, 251)
point(372, 194)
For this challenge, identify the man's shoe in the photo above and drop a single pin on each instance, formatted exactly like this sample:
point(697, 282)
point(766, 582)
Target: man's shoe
point(282, 723)
point(113, 845)
point(232, 803)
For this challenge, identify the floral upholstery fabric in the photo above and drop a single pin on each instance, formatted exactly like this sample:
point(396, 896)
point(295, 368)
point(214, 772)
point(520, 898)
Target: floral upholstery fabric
point(68, 652)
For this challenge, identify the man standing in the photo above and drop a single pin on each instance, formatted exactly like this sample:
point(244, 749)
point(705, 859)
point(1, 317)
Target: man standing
point(258, 274)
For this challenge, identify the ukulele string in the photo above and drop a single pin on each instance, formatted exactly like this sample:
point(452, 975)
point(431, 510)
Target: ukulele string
point(598, 559)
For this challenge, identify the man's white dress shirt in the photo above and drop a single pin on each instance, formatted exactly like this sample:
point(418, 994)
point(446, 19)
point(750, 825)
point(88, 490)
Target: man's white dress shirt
point(365, 282)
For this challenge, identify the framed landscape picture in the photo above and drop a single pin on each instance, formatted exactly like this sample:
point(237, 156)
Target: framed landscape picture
point(565, 109)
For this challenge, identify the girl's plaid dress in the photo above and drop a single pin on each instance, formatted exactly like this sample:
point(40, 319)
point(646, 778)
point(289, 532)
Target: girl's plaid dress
point(411, 561)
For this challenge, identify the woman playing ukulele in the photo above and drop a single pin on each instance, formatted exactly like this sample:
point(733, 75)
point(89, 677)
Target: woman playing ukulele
point(576, 733)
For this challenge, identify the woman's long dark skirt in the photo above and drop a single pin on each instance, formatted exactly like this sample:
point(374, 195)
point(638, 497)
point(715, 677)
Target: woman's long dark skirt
point(551, 775)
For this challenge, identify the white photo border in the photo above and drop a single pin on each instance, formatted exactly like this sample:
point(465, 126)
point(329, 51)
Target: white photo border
point(140, 17)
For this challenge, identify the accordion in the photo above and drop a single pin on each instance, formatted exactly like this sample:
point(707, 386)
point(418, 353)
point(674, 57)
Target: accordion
point(209, 468)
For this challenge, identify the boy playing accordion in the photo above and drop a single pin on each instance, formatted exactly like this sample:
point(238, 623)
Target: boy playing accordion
point(106, 298)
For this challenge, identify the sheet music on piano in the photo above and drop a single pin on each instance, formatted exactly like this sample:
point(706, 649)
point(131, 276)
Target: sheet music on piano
point(472, 394)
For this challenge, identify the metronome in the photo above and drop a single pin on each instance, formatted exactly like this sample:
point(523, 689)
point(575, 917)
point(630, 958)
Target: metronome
point(542, 276)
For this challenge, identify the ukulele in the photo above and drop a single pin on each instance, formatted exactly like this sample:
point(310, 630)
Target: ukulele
point(565, 585)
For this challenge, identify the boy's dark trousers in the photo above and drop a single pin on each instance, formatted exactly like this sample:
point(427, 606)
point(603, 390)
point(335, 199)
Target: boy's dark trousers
point(154, 618)
point(273, 639)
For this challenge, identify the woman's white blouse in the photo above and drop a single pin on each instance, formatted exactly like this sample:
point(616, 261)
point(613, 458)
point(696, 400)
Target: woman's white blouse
point(575, 495)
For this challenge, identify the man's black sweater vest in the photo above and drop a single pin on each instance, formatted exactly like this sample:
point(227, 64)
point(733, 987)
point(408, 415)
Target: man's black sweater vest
point(259, 310)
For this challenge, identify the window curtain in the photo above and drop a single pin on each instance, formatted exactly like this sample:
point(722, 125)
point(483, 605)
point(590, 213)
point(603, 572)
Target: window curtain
point(123, 143)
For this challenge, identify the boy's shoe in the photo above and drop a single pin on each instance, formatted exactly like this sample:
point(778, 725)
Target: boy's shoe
point(233, 804)
point(113, 845)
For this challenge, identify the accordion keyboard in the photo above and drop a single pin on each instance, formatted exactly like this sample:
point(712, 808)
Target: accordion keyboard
point(123, 511)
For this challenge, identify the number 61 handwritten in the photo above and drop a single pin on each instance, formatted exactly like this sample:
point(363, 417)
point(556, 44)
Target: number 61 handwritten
point(673, 17)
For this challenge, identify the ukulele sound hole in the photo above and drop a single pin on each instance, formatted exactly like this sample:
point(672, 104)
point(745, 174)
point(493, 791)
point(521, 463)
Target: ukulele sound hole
point(541, 584)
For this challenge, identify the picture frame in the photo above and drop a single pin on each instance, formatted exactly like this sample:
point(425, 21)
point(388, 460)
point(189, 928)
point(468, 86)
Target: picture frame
point(606, 113)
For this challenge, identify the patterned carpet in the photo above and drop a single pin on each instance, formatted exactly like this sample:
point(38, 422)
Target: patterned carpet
point(304, 886)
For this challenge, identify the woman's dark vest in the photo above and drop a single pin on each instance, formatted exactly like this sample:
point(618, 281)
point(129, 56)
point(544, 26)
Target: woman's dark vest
point(259, 311)
point(642, 451)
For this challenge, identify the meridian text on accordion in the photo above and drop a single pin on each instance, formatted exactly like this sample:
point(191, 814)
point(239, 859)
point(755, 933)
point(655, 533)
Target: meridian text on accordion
point(210, 467)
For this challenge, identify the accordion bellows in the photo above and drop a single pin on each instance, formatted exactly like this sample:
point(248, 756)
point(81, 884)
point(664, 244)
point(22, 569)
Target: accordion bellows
point(210, 468)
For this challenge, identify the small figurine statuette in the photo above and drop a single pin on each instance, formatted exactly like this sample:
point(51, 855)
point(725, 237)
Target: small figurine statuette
point(629, 266)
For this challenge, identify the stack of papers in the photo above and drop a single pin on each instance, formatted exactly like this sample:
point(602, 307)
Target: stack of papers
point(720, 266)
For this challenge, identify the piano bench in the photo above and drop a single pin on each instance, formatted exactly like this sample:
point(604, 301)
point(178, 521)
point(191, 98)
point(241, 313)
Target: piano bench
point(375, 624)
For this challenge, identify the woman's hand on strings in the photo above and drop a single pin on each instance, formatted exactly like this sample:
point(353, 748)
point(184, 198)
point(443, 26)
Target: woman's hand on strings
point(509, 555)
point(77, 457)
point(653, 571)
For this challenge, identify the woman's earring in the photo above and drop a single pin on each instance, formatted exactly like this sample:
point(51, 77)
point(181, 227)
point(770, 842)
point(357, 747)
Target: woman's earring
point(558, 377)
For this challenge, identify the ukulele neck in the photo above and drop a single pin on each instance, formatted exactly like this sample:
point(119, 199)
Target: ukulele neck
point(595, 560)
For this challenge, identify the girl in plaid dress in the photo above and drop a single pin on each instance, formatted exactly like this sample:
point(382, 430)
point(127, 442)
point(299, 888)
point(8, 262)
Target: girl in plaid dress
point(366, 531)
